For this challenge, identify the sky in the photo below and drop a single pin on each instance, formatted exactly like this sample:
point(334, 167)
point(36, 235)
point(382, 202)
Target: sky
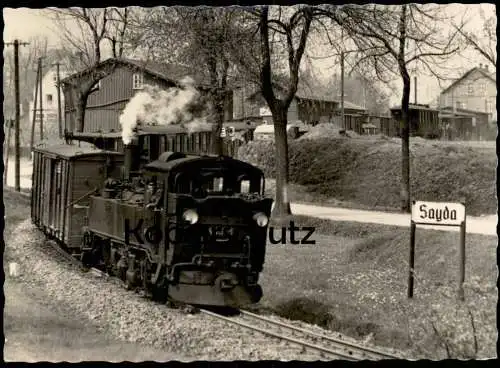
point(24, 23)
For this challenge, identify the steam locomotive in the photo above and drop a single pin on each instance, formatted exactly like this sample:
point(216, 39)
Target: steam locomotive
point(191, 228)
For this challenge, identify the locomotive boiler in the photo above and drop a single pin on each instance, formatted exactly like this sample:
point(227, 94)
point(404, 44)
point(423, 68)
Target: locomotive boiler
point(189, 227)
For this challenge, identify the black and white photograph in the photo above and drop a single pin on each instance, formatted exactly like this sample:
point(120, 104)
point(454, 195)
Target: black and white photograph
point(303, 182)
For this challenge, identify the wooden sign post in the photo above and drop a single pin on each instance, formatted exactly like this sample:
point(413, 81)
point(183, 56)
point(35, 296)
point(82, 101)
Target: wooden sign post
point(438, 214)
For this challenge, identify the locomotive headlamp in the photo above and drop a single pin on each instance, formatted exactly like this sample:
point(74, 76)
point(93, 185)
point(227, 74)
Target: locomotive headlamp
point(261, 219)
point(190, 216)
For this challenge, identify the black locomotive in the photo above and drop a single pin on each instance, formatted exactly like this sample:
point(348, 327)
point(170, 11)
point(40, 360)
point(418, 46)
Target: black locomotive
point(193, 227)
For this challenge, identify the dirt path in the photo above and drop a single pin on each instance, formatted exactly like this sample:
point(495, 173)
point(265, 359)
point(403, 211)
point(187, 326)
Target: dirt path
point(486, 225)
point(35, 330)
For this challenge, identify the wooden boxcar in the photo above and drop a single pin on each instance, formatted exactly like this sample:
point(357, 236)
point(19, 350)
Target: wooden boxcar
point(424, 121)
point(155, 140)
point(63, 177)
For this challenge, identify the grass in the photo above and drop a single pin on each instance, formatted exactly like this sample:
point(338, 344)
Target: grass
point(354, 280)
point(366, 173)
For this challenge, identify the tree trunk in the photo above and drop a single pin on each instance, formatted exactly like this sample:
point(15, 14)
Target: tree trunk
point(217, 142)
point(405, 144)
point(81, 103)
point(282, 204)
point(82, 95)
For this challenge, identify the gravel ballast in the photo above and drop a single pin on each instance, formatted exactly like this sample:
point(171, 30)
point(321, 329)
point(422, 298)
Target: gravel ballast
point(129, 317)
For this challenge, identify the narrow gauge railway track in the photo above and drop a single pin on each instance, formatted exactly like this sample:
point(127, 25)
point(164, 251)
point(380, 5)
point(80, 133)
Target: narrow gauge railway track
point(325, 346)
point(65, 256)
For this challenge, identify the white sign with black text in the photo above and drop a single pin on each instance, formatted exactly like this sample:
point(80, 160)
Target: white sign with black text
point(438, 213)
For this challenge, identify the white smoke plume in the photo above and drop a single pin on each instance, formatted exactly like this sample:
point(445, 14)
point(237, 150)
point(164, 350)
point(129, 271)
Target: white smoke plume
point(154, 106)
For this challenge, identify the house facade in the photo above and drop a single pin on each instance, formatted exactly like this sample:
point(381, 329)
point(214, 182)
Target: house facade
point(476, 90)
point(49, 104)
point(463, 124)
point(112, 93)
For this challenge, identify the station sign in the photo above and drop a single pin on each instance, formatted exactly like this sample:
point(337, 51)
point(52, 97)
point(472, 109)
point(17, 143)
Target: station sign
point(438, 213)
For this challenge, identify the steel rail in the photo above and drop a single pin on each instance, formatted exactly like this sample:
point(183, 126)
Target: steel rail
point(349, 347)
point(63, 253)
point(321, 349)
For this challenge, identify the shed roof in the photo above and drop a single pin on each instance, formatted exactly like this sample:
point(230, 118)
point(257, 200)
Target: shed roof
point(168, 72)
point(415, 107)
point(484, 72)
point(72, 151)
point(463, 111)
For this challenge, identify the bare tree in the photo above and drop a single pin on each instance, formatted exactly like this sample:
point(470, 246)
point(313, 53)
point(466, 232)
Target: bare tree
point(271, 45)
point(210, 34)
point(84, 48)
point(199, 38)
point(394, 38)
point(485, 43)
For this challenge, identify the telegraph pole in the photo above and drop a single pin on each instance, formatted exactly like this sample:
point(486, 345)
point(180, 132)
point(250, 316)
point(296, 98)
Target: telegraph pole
point(16, 43)
point(59, 114)
point(35, 106)
point(7, 154)
point(415, 82)
point(342, 117)
point(40, 67)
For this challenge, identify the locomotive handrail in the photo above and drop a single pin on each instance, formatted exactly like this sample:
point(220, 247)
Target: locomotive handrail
point(71, 204)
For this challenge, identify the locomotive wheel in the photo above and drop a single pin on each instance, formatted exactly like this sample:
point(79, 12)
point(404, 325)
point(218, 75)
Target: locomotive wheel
point(128, 285)
point(86, 258)
point(159, 294)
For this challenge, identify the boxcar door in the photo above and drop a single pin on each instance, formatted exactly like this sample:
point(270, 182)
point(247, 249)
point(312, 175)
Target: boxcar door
point(46, 191)
point(55, 194)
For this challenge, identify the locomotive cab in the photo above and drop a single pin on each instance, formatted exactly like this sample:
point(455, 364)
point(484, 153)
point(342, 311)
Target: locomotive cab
point(215, 228)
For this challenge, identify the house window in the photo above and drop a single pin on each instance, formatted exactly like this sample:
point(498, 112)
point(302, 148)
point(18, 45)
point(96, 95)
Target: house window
point(49, 99)
point(470, 89)
point(482, 89)
point(489, 106)
point(137, 81)
point(54, 77)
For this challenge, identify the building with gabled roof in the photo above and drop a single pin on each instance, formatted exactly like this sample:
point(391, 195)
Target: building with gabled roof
point(127, 77)
point(476, 90)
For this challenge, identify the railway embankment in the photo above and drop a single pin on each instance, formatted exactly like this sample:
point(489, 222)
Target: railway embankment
point(365, 173)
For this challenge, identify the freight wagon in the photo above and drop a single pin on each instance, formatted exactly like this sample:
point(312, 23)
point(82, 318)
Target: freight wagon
point(63, 178)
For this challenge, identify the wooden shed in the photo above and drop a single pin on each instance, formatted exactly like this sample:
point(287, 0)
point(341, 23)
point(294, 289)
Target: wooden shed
point(424, 121)
point(123, 78)
point(65, 176)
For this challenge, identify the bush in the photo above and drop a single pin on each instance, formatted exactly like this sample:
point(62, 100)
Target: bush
point(459, 330)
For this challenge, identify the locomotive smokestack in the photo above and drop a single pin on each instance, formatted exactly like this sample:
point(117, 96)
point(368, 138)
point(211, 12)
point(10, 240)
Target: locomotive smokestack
point(132, 158)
